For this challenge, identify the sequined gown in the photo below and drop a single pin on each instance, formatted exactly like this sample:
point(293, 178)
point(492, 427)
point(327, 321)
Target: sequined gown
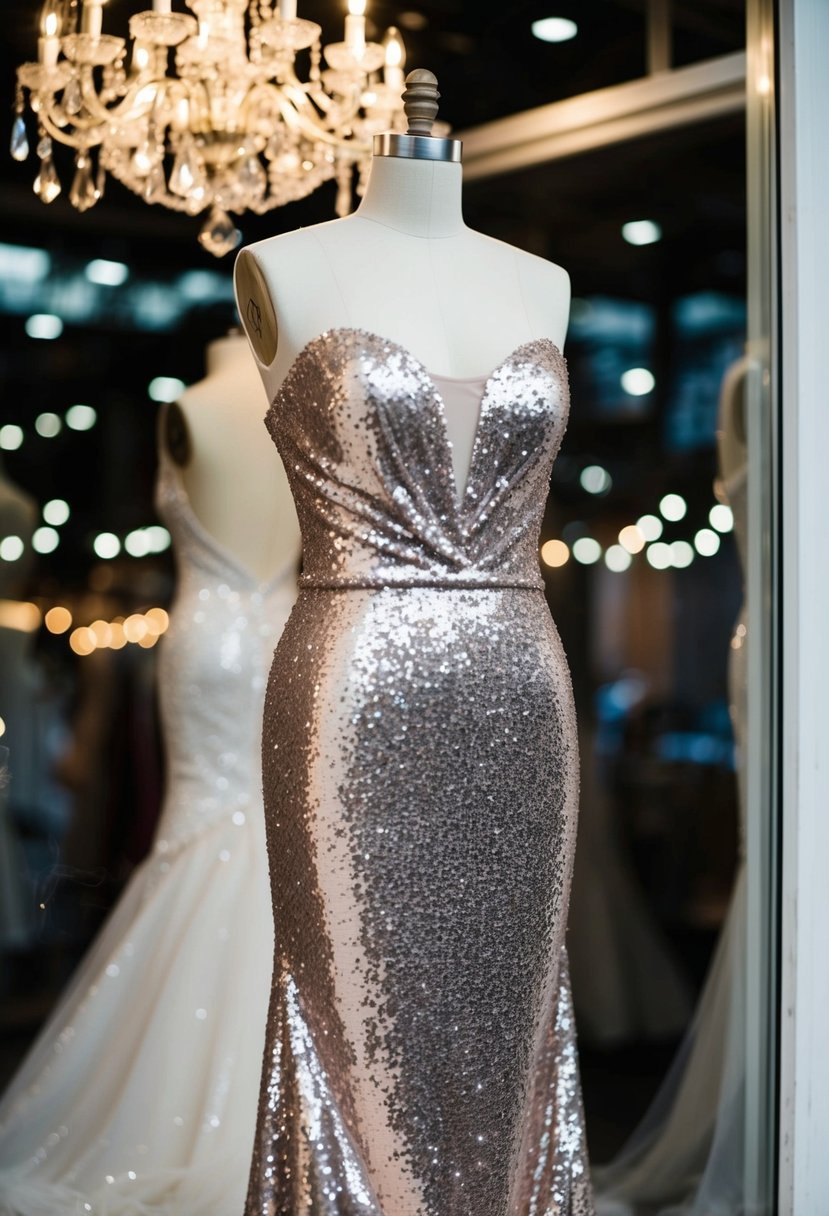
point(139, 1097)
point(420, 775)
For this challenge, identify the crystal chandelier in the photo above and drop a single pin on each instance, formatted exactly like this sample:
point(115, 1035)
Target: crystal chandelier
point(232, 125)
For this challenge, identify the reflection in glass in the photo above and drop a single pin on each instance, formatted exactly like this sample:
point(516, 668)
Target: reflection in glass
point(687, 1154)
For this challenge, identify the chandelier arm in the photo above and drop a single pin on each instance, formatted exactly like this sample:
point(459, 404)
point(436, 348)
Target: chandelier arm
point(125, 110)
point(296, 116)
point(59, 133)
point(325, 103)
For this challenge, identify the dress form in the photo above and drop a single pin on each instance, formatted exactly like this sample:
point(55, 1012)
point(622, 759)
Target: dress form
point(405, 267)
point(233, 477)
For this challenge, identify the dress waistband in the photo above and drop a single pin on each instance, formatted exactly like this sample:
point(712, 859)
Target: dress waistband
point(318, 584)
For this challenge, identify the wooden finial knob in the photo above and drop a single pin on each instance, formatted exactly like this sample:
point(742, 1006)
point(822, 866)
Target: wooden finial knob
point(420, 101)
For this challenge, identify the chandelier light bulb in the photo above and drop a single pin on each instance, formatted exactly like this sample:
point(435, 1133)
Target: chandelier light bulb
point(395, 59)
point(50, 19)
point(48, 45)
point(395, 51)
point(355, 28)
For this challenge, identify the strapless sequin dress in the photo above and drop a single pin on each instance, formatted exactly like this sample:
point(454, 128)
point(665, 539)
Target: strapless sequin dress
point(421, 791)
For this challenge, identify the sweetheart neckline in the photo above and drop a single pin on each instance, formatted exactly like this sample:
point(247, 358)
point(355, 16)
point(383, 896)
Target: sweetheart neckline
point(370, 333)
point(459, 494)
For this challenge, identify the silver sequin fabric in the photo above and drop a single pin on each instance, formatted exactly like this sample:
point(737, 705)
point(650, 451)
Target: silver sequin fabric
point(421, 792)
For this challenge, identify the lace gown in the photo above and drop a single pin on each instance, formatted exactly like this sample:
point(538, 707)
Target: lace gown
point(421, 790)
point(139, 1097)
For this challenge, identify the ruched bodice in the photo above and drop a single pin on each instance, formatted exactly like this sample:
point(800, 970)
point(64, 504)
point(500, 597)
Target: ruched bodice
point(361, 426)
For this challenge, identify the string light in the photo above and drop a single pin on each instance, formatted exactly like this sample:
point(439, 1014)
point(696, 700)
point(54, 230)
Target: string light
point(44, 325)
point(106, 545)
point(721, 517)
point(555, 553)
point(650, 526)
point(165, 389)
point(659, 555)
point(58, 619)
point(56, 512)
point(644, 535)
point(143, 629)
point(641, 232)
point(586, 550)
point(682, 554)
point(617, 559)
point(20, 615)
point(632, 538)
point(673, 507)
point(107, 274)
point(11, 548)
point(45, 540)
point(80, 417)
point(48, 425)
point(595, 480)
point(11, 437)
point(638, 381)
point(706, 542)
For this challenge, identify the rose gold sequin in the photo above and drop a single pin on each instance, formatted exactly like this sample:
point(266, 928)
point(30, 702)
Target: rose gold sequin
point(421, 790)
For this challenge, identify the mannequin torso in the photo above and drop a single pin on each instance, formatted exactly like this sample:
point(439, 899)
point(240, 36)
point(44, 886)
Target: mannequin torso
point(233, 477)
point(404, 267)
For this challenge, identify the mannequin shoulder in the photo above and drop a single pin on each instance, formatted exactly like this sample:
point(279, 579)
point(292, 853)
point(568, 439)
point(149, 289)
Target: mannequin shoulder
point(546, 291)
point(272, 274)
point(545, 286)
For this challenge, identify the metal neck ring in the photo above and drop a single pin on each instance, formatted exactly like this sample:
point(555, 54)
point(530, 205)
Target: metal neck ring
point(418, 147)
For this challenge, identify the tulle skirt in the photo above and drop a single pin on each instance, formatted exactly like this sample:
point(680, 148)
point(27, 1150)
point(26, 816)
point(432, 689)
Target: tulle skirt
point(140, 1094)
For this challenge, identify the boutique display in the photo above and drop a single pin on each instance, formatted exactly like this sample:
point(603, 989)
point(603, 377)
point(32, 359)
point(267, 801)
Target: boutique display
point(419, 743)
point(140, 1093)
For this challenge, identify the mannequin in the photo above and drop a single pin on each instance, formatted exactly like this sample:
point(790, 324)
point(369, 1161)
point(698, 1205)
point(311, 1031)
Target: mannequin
point(405, 267)
point(233, 478)
point(418, 745)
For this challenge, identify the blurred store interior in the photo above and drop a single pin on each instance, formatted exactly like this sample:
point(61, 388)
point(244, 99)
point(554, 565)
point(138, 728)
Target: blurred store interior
point(106, 315)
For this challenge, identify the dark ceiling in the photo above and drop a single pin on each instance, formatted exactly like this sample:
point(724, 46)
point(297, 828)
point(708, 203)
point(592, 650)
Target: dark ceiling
point(488, 64)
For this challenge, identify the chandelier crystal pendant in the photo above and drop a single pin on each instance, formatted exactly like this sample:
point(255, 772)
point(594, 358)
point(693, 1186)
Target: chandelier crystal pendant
point(207, 110)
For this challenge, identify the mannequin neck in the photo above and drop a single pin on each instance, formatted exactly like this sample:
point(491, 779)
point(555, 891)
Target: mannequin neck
point(418, 197)
point(224, 352)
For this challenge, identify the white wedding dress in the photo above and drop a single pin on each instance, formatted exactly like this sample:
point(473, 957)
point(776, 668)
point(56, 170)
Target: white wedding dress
point(139, 1097)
